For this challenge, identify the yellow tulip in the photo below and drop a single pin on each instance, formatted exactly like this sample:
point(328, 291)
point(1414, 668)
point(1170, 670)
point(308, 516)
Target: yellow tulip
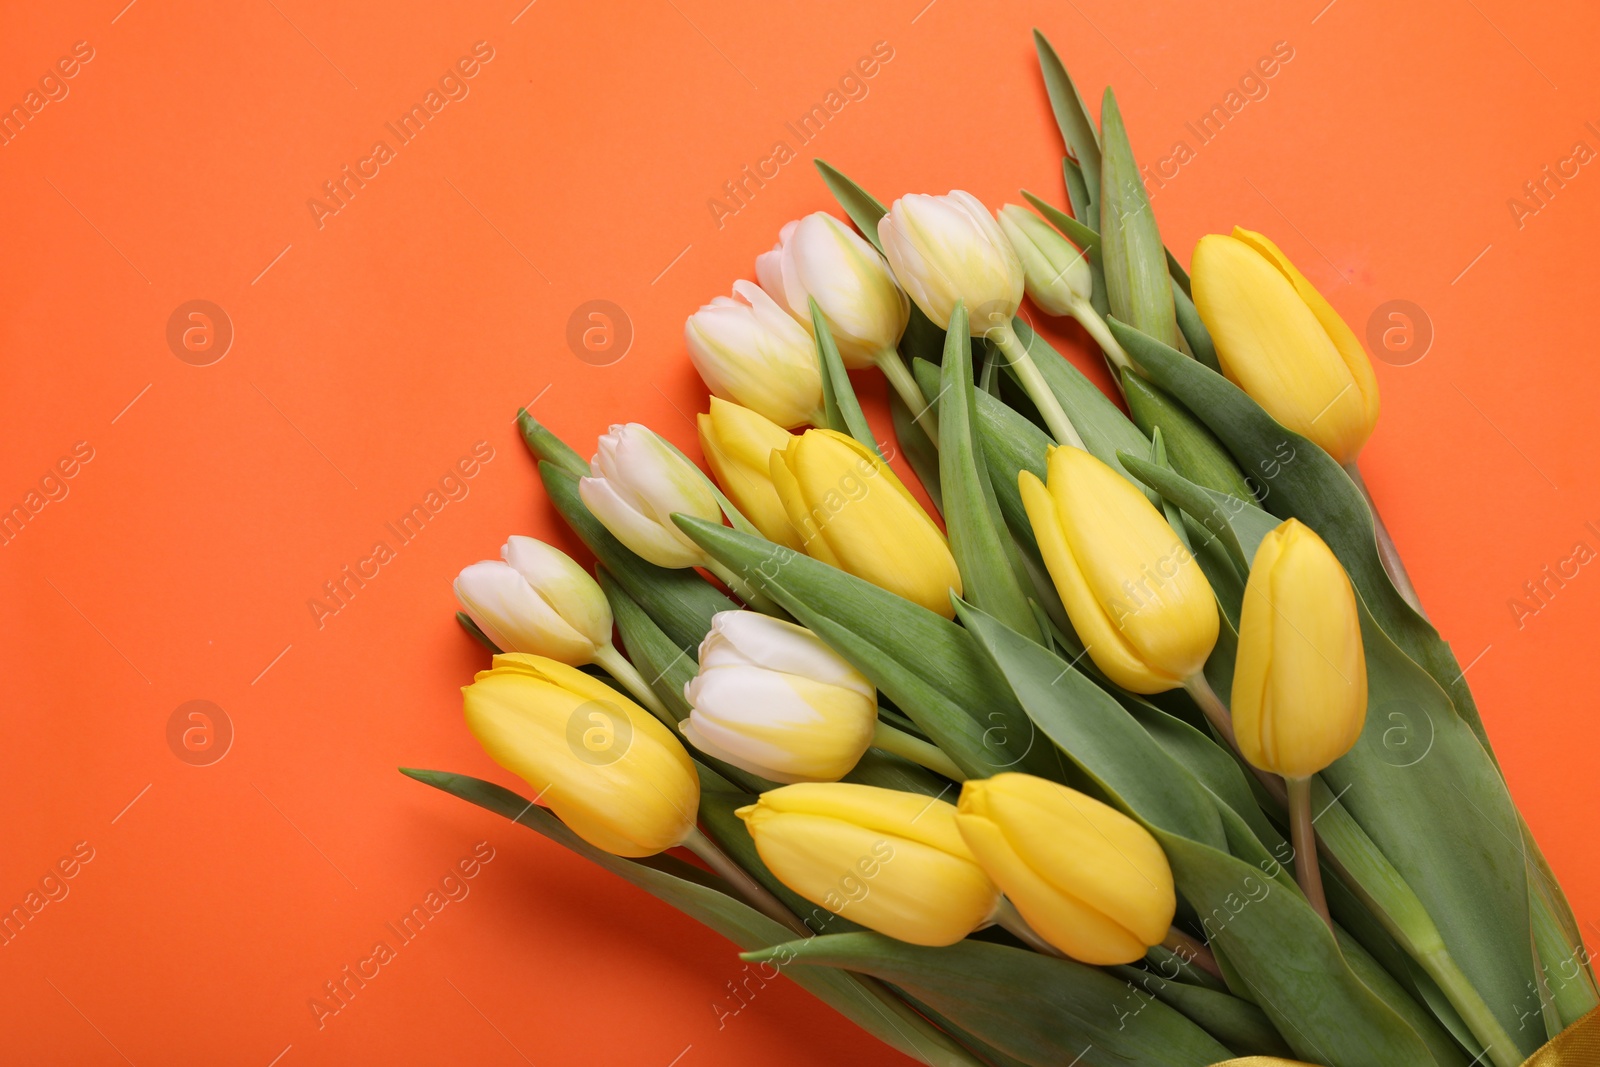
point(1280, 340)
point(738, 444)
point(612, 772)
point(1088, 879)
point(1300, 680)
point(1134, 593)
point(852, 512)
point(893, 862)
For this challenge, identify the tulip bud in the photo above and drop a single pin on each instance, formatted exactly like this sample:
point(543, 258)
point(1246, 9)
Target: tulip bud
point(1056, 272)
point(1134, 592)
point(738, 444)
point(773, 699)
point(613, 773)
point(537, 599)
point(754, 354)
point(949, 248)
point(852, 512)
point(1300, 679)
point(636, 482)
point(891, 861)
point(1088, 879)
point(1280, 341)
point(820, 257)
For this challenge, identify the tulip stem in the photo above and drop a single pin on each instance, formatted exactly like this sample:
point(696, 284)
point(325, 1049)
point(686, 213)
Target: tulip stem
point(1033, 383)
point(916, 750)
point(1304, 837)
point(1008, 918)
point(751, 890)
point(1189, 950)
point(899, 375)
point(630, 679)
point(1221, 720)
point(1388, 554)
point(752, 596)
point(1091, 321)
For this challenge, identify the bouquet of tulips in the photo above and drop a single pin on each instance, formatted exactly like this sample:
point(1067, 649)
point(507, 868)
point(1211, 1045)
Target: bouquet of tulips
point(1140, 751)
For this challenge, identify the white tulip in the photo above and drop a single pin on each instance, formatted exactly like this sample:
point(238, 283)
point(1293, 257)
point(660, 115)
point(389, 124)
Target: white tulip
point(636, 482)
point(822, 258)
point(752, 352)
point(537, 599)
point(949, 248)
point(772, 699)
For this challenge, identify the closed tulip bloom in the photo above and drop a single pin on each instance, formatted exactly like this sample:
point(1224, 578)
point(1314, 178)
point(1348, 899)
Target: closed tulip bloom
point(612, 772)
point(1134, 593)
point(536, 599)
point(893, 862)
point(1300, 679)
point(636, 482)
point(751, 351)
point(772, 699)
point(949, 248)
point(1088, 879)
point(1056, 271)
point(1279, 340)
point(822, 258)
point(738, 444)
point(852, 512)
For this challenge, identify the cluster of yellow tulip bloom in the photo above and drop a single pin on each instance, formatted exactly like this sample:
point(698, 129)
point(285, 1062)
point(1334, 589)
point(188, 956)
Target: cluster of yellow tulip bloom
point(1129, 581)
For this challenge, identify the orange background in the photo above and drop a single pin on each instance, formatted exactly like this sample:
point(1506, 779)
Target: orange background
point(371, 353)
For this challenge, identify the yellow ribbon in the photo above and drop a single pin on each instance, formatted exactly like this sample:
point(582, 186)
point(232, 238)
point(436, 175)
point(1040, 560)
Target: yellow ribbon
point(1576, 1046)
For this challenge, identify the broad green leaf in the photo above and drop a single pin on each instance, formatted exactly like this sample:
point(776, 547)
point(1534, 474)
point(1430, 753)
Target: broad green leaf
point(693, 892)
point(1137, 280)
point(1240, 1025)
point(926, 664)
point(1194, 450)
point(839, 402)
point(548, 447)
point(1077, 188)
point(1101, 424)
point(991, 570)
point(1077, 128)
point(918, 450)
point(680, 601)
point(1038, 1009)
point(1299, 479)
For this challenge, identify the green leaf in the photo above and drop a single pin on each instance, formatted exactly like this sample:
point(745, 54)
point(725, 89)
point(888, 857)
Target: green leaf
point(465, 622)
point(924, 663)
point(1190, 324)
point(1238, 1024)
point(918, 450)
point(1038, 1009)
point(862, 207)
point(548, 447)
point(680, 601)
point(839, 402)
point(1299, 479)
point(991, 570)
point(1077, 188)
point(1077, 129)
point(1194, 450)
point(693, 892)
point(1137, 280)
point(1101, 424)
